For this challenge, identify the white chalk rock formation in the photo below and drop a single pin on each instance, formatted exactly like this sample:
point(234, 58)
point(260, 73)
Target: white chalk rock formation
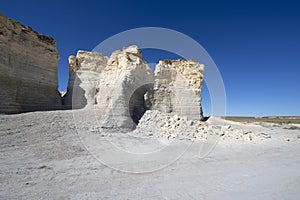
point(121, 89)
point(85, 69)
point(114, 87)
point(28, 69)
point(177, 88)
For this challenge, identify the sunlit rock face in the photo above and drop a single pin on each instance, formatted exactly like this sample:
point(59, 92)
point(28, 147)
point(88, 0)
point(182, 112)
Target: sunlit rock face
point(114, 87)
point(120, 88)
point(177, 87)
point(84, 72)
point(28, 69)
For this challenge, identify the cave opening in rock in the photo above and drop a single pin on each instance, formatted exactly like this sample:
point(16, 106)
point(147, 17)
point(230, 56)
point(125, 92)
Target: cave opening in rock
point(140, 101)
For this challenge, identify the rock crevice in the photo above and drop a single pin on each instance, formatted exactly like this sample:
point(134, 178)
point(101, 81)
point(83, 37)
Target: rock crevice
point(122, 87)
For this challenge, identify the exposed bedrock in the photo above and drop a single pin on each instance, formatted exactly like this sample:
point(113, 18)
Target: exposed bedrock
point(84, 73)
point(28, 69)
point(120, 88)
point(177, 88)
point(114, 86)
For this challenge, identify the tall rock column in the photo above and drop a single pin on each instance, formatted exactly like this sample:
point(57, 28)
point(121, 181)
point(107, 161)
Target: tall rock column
point(84, 73)
point(114, 88)
point(28, 69)
point(121, 89)
point(177, 87)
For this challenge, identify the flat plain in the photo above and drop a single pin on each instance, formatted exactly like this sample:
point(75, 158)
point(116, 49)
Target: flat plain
point(43, 155)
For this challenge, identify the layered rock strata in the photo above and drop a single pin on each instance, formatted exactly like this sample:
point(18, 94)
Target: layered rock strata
point(177, 87)
point(114, 86)
point(28, 69)
point(84, 73)
point(120, 88)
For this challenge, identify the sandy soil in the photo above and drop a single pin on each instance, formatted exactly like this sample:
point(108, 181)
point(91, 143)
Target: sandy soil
point(46, 155)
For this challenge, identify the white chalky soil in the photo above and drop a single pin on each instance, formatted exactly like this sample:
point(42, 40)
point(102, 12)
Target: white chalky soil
point(43, 156)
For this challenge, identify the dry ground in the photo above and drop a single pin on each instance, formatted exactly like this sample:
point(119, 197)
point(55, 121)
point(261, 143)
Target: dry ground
point(275, 119)
point(44, 156)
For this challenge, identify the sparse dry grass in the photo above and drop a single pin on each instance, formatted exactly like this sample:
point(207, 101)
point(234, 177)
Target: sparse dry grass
point(277, 119)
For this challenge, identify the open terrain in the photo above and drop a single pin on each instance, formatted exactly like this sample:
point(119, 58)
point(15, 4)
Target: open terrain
point(45, 155)
point(273, 119)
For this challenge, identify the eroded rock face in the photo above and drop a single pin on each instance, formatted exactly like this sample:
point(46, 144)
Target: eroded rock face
point(85, 69)
point(121, 88)
point(28, 69)
point(177, 88)
point(113, 86)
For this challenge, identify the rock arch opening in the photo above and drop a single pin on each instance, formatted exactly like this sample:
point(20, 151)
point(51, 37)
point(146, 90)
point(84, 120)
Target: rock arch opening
point(140, 101)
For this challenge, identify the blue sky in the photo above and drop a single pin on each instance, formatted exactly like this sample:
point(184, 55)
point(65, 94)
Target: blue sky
point(255, 44)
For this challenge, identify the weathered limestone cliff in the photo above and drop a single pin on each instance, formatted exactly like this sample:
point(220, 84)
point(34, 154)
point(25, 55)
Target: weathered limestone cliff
point(114, 86)
point(177, 88)
point(84, 73)
point(122, 87)
point(28, 69)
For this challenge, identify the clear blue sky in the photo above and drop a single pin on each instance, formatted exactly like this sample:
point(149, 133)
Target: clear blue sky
point(255, 44)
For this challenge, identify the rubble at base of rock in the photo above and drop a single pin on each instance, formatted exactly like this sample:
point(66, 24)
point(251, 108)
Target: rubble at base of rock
point(157, 124)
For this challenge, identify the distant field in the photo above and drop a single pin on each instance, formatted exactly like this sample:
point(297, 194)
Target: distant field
point(277, 119)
